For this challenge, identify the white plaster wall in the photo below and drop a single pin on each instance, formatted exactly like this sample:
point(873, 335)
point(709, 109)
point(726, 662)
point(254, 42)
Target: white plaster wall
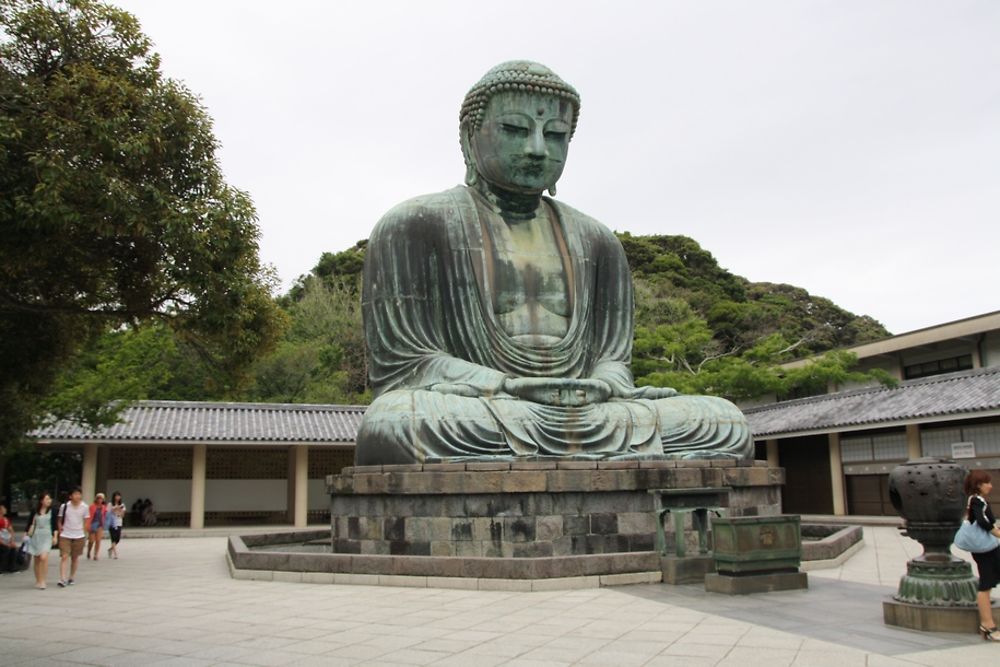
point(319, 499)
point(246, 495)
point(168, 495)
point(221, 495)
point(890, 366)
point(946, 350)
point(991, 349)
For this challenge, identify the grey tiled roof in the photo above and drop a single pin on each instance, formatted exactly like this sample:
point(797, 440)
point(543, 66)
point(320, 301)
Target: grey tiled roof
point(191, 421)
point(928, 399)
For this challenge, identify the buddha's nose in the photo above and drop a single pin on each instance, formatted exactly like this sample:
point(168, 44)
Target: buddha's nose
point(536, 144)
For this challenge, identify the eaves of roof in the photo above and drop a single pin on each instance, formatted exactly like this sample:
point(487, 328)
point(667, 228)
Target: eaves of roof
point(973, 393)
point(221, 423)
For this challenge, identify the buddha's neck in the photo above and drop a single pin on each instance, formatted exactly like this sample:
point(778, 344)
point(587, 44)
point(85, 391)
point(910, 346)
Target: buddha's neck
point(512, 206)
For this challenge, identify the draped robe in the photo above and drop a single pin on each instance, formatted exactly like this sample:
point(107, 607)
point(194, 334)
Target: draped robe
point(438, 356)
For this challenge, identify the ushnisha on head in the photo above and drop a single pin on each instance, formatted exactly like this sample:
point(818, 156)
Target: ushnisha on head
point(515, 127)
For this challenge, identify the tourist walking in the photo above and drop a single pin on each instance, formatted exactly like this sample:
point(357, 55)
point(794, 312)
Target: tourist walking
point(98, 513)
point(116, 517)
point(8, 545)
point(74, 520)
point(41, 538)
point(978, 485)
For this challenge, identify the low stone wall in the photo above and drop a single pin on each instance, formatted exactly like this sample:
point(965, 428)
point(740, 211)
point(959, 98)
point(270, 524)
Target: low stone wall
point(527, 509)
point(834, 541)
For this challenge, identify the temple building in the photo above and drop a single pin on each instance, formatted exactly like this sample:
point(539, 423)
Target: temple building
point(204, 463)
point(838, 448)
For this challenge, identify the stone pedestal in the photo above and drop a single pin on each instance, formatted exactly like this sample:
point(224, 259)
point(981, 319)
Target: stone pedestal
point(527, 509)
point(938, 580)
point(688, 570)
point(933, 619)
point(770, 582)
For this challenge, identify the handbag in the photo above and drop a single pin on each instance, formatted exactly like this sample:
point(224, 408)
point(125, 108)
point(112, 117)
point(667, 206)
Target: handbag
point(23, 557)
point(970, 537)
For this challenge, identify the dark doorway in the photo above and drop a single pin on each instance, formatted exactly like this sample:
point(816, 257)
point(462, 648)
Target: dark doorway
point(806, 462)
point(868, 495)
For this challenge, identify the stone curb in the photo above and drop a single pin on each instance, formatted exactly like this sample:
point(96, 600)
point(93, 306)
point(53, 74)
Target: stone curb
point(463, 583)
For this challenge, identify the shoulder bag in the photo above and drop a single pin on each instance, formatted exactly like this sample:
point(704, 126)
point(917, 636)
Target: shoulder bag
point(972, 538)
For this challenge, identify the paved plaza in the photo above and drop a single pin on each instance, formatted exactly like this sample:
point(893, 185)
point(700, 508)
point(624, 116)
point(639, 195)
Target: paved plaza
point(171, 601)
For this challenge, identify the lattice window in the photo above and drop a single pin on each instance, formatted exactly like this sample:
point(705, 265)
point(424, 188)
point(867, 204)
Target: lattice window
point(855, 449)
point(937, 442)
point(889, 447)
point(326, 461)
point(246, 463)
point(149, 463)
point(985, 436)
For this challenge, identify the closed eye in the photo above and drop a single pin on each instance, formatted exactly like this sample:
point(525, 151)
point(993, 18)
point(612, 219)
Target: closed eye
point(555, 136)
point(515, 130)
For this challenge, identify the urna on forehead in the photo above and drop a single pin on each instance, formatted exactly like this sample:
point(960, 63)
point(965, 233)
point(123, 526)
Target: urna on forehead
point(516, 76)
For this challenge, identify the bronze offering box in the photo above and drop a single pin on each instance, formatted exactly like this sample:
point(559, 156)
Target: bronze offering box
point(757, 544)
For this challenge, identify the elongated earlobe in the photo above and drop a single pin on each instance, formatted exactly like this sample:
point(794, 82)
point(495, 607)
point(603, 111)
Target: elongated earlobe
point(552, 190)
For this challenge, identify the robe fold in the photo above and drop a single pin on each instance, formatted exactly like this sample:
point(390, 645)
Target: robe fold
point(438, 356)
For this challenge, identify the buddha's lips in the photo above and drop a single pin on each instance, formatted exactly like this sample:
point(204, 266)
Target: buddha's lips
point(531, 168)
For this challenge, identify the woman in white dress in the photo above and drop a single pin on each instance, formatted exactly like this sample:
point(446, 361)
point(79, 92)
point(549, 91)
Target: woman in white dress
point(41, 537)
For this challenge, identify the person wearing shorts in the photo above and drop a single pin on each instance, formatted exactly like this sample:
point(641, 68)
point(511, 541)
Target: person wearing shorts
point(74, 517)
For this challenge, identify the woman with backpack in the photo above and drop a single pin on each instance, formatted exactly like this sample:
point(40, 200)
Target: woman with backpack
point(41, 538)
point(98, 514)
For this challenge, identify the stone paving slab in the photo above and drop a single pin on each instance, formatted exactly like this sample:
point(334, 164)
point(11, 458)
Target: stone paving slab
point(171, 602)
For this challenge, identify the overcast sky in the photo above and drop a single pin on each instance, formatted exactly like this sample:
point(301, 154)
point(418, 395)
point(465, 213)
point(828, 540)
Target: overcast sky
point(851, 148)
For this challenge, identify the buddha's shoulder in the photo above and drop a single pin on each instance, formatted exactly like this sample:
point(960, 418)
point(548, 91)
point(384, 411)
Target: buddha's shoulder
point(592, 227)
point(425, 211)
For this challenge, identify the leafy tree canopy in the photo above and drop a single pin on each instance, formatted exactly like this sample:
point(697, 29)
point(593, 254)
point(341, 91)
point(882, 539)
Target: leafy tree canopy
point(113, 207)
point(703, 330)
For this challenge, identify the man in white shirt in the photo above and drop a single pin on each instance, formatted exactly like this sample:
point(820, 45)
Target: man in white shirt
point(74, 517)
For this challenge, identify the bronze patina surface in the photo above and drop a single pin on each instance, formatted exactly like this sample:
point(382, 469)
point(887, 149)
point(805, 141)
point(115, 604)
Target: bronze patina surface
point(499, 321)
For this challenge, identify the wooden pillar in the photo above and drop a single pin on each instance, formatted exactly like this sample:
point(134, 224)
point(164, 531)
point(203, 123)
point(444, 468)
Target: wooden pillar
point(88, 483)
point(198, 474)
point(103, 468)
point(300, 478)
point(914, 450)
point(772, 454)
point(290, 486)
point(837, 476)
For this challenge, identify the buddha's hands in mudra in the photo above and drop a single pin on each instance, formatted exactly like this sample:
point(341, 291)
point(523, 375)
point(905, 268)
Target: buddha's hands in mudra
point(564, 392)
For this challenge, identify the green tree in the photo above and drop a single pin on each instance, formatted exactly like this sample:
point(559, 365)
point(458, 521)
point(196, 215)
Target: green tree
point(703, 330)
point(322, 357)
point(113, 206)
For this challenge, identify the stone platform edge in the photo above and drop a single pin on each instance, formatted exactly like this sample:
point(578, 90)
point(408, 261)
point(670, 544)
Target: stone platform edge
point(462, 583)
point(547, 476)
point(290, 564)
point(527, 463)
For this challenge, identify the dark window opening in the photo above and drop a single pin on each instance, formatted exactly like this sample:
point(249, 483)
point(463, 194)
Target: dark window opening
point(928, 368)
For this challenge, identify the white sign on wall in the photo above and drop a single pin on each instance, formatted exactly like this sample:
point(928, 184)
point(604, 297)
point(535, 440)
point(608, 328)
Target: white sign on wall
point(963, 450)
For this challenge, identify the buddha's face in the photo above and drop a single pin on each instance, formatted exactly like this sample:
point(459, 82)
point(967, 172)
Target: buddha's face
point(522, 143)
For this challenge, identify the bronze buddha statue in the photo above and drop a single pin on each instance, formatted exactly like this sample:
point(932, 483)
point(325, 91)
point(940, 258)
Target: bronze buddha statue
point(499, 321)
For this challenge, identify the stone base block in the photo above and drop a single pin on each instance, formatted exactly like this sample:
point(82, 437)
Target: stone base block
point(933, 619)
point(530, 508)
point(690, 570)
point(755, 583)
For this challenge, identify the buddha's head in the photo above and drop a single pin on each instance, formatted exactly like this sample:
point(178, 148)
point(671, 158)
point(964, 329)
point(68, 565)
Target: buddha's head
point(516, 123)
